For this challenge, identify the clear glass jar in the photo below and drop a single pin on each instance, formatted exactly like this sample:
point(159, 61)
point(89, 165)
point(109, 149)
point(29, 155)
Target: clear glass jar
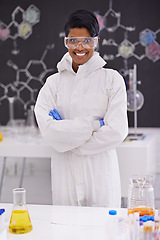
point(141, 195)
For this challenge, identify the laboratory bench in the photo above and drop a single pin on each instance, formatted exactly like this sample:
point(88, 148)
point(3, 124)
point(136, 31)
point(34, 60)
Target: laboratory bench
point(135, 157)
point(66, 222)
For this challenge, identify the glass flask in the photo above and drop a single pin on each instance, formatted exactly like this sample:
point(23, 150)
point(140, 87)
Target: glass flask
point(141, 195)
point(20, 220)
point(31, 117)
point(11, 111)
point(135, 100)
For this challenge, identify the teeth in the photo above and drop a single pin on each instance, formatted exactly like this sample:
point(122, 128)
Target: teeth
point(80, 54)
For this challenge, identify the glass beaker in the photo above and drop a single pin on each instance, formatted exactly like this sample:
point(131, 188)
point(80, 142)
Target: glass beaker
point(141, 195)
point(20, 220)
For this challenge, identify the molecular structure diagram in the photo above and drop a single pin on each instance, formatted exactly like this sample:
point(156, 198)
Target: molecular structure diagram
point(150, 48)
point(28, 81)
point(20, 26)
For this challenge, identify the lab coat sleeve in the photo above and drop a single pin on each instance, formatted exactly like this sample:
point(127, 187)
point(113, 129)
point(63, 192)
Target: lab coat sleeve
point(115, 129)
point(62, 135)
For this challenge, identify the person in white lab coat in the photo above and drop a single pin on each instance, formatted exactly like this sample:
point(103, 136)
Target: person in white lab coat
point(82, 114)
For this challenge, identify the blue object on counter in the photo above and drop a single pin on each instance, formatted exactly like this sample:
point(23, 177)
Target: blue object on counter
point(2, 211)
point(2, 219)
point(146, 218)
point(152, 218)
point(112, 212)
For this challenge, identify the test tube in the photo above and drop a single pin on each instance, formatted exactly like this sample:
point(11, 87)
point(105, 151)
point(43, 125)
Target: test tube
point(156, 225)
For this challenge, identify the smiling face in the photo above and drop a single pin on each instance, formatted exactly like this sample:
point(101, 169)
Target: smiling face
point(80, 55)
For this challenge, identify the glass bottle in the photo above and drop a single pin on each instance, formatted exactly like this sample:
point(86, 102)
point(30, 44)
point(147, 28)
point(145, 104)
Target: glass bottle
point(20, 220)
point(113, 221)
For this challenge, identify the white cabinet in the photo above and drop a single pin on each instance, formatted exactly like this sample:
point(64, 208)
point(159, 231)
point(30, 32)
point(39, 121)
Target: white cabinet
point(137, 157)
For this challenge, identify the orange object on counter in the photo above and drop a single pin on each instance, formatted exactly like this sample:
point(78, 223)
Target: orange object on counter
point(142, 211)
point(1, 136)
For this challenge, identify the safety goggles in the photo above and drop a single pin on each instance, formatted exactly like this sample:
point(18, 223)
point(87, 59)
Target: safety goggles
point(86, 42)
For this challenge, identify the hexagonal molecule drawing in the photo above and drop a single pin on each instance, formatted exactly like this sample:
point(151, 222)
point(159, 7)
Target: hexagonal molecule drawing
point(28, 80)
point(150, 48)
point(21, 25)
point(111, 20)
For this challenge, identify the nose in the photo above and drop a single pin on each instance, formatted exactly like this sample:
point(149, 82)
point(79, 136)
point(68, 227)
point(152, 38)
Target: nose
point(80, 46)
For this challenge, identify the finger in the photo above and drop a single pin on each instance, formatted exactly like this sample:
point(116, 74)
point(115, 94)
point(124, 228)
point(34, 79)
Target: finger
point(101, 123)
point(52, 114)
point(56, 114)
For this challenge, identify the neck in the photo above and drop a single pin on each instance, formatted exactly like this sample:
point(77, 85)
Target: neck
point(75, 67)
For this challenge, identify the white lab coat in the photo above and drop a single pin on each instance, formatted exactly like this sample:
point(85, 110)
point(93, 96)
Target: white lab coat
point(84, 167)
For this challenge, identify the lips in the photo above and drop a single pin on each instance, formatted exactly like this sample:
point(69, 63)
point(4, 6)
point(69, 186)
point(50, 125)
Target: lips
point(80, 55)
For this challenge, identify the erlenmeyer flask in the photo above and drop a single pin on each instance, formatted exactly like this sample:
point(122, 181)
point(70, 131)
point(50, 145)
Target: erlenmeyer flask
point(11, 121)
point(30, 117)
point(20, 220)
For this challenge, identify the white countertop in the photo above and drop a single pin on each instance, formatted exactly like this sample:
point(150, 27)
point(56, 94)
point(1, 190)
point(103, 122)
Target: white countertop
point(27, 142)
point(23, 142)
point(65, 223)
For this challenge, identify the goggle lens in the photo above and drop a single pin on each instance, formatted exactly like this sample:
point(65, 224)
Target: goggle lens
point(86, 42)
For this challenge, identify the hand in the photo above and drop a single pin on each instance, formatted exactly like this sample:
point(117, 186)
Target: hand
point(55, 114)
point(101, 122)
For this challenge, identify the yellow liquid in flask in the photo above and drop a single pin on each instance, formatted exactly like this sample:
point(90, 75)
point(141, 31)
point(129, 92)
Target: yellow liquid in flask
point(20, 222)
point(1, 136)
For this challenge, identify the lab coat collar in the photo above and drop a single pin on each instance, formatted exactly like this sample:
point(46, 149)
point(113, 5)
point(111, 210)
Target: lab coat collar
point(94, 63)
